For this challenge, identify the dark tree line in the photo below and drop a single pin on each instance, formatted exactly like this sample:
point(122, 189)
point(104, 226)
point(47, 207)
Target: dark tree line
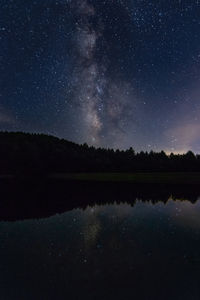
point(58, 196)
point(23, 153)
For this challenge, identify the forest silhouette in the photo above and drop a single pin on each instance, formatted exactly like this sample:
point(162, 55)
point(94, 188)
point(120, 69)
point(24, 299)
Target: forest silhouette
point(29, 199)
point(34, 156)
point(40, 154)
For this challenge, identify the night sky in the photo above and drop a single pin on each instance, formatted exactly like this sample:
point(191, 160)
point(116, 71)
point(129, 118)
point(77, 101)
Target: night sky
point(115, 73)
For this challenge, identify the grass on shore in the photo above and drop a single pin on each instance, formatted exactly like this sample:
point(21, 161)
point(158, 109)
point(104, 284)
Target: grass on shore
point(159, 178)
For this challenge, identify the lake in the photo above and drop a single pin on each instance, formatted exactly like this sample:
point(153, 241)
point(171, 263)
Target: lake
point(142, 249)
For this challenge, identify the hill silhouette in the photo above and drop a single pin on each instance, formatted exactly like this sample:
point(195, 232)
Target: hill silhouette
point(40, 154)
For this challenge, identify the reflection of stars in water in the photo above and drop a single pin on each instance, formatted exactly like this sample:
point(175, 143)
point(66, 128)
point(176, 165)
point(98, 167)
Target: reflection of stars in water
point(91, 232)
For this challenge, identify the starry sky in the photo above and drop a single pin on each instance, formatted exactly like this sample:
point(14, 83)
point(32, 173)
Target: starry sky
point(112, 73)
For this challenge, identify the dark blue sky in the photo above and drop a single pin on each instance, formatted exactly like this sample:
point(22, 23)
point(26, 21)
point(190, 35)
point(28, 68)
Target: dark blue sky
point(113, 73)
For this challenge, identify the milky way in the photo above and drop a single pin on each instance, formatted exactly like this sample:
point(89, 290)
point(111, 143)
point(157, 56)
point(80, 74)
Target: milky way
point(89, 75)
point(102, 100)
point(111, 73)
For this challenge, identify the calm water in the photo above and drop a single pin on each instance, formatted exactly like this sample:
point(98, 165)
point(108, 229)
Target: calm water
point(113, 251)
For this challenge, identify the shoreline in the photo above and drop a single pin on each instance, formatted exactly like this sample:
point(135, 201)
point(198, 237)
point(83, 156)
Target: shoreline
point(189, 178)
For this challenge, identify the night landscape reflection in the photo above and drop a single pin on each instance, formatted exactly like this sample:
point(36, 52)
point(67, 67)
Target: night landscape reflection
point(111, 251)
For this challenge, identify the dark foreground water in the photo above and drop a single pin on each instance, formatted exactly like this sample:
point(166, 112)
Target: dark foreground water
point(135, 250)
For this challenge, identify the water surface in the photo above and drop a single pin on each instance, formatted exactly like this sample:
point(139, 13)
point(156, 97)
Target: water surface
point(112, 251)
